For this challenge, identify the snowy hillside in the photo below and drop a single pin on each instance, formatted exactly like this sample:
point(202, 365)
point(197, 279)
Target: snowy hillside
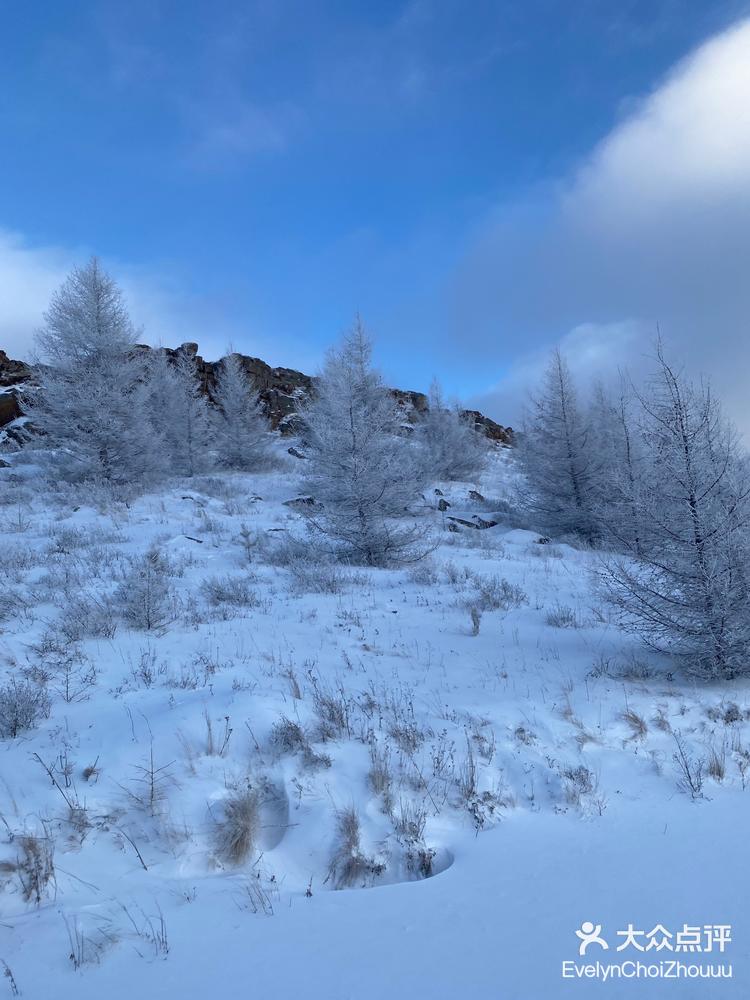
point(255, 770)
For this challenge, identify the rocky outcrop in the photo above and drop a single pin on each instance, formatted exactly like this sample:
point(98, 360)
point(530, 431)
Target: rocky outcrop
point(280, 390)
point(488, 427)
point(12, 376)
point(12, 372)
point(9, 408)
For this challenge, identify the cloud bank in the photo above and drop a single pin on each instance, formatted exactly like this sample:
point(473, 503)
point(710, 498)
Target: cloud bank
point(654, 228)
point(160, 304)
point(28, 277)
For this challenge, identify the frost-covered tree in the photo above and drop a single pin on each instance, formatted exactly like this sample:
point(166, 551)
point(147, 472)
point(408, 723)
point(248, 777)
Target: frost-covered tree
point(451, 448)
point(618, 460)
point(243, 439)
point(687, 591)
point(89, 405)
point(556, 458)
point(179, 412)
point(363, 474)
point(160, 392)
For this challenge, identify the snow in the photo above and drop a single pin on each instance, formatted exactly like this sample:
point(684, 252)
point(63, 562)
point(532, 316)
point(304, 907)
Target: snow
point(576, 815)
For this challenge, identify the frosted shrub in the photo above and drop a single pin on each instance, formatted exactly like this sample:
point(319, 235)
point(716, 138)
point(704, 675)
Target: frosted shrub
point(492, 593)
point(311, 564)
point(232, 590)
point(86, 616)
point(424, 573)
point(688, 767)
point(578, 781)
point(284, 550)
point(12, 604)
point(310, 577)
point(451, 448)
point(16, 560)
point(333, 708)
point(145, 599)
point(288, 736)
point(410, 820)
point(22, 705)
point(496, 593)
point(562, 616)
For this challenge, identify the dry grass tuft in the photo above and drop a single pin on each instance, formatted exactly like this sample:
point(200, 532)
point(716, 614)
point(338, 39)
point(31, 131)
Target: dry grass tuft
point(34, 867)
point(237, 832)
point(349, 865)
point(716, 765)
point(637, 724)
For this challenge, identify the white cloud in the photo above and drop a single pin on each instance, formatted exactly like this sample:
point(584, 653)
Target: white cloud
point(28, 277)
point(161, 307)
point(161, 304)
point(225, 134)
point(689, 140)
point(654, 228)
point(594, 351)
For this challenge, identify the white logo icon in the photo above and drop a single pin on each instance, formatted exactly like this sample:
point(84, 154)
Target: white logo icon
point(590, 934)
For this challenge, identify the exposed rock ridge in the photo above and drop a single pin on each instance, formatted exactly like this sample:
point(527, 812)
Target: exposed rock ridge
point(280, 390)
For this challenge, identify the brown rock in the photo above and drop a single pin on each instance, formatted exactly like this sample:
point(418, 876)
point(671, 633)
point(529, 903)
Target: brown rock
point(300, 503)
point(13, 372)
point(9, 408)
point(12, 375)
point(482, 523)
point(490, 429)
point(478, 523)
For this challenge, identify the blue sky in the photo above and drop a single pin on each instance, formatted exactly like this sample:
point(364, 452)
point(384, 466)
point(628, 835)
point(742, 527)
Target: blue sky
point(255, 172)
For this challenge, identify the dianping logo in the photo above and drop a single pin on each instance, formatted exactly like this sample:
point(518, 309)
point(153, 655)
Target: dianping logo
point(689, 940)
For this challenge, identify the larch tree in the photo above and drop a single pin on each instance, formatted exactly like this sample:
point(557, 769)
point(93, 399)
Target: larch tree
point(618, 460)
point(560, 479)
point(451, 448)
point(179, 412)
point(687, 591)
point(89, 404)
point(364, 474)
point(242, 435)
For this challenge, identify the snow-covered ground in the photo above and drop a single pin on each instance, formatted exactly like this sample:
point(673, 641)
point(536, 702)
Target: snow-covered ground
point(435, 800)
